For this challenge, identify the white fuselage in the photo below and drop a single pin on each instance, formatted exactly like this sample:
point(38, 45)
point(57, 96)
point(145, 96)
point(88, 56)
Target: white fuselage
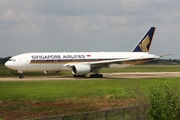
point(62, 60)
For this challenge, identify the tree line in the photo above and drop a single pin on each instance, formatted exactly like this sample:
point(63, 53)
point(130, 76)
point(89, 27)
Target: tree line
point(3, 60)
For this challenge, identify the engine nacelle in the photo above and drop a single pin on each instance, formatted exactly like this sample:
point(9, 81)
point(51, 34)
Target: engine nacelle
point(51, 72)
point(81, 69)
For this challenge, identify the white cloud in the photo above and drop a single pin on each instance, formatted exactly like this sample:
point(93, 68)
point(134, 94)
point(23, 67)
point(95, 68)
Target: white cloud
point(8, 15)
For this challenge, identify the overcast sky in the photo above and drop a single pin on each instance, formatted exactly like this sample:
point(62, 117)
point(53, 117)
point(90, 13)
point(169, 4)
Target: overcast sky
point(88, 25)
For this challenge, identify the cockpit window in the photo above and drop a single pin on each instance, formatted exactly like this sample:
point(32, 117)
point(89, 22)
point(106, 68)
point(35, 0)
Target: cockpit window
point(12, 59)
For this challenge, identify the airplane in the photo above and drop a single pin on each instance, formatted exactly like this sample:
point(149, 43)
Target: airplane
point(82, 63)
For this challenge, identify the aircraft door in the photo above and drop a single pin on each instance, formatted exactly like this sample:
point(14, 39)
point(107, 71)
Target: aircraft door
point(27, 60)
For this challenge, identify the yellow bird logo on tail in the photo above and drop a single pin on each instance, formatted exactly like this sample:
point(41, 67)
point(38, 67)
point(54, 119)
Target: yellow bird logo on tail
point(144, 44)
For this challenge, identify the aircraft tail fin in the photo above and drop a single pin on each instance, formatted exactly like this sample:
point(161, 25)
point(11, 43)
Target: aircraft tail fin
point(145, 44)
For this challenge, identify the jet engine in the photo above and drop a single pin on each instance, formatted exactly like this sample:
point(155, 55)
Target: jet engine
point(81, 69)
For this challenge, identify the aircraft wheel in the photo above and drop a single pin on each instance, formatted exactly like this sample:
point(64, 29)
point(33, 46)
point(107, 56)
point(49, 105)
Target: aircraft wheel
point(92, 76)
point(21, 76)
point(96, 76)
point(79, 75)
point(100, 76)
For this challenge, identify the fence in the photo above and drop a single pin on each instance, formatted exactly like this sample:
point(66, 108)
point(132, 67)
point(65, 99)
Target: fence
point(126, 113)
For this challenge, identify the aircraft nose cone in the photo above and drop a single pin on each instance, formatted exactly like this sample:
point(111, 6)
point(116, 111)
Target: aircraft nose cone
point(10, 65)
point(7, 64)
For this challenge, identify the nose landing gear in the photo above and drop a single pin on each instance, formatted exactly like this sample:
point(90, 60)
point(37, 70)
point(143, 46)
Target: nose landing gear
point(21, 75)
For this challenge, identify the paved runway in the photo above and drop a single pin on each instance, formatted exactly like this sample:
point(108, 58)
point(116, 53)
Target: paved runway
point(106, 75)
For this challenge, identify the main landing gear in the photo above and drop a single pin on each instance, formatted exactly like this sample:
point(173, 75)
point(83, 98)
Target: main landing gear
point(21, 75)
point(96, 74)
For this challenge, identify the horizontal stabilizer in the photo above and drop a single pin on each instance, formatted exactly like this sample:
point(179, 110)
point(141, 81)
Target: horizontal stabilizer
point(165, 55)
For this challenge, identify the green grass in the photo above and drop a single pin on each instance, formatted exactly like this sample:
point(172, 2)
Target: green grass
point(52, 90)
point(76, 96)
point(72, 96)
point(69, 89)
point(146, 68)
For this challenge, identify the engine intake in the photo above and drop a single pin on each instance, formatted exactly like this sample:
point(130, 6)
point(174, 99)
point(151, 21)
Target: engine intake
point(81, 69)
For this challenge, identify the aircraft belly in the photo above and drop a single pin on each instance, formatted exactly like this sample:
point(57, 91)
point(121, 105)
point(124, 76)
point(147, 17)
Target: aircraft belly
point(44, 67)
point(120, 65)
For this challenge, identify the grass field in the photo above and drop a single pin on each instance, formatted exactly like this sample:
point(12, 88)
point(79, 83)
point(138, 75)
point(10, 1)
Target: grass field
point(147, 68)
point(53, 90)
point(67, 89)
point(61, 97)
point(32, 99)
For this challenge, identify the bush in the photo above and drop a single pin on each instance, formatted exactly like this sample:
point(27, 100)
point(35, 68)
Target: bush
point(164, 104)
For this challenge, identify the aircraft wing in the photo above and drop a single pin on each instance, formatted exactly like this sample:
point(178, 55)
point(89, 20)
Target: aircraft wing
point(133, 61)
point(115, 61)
